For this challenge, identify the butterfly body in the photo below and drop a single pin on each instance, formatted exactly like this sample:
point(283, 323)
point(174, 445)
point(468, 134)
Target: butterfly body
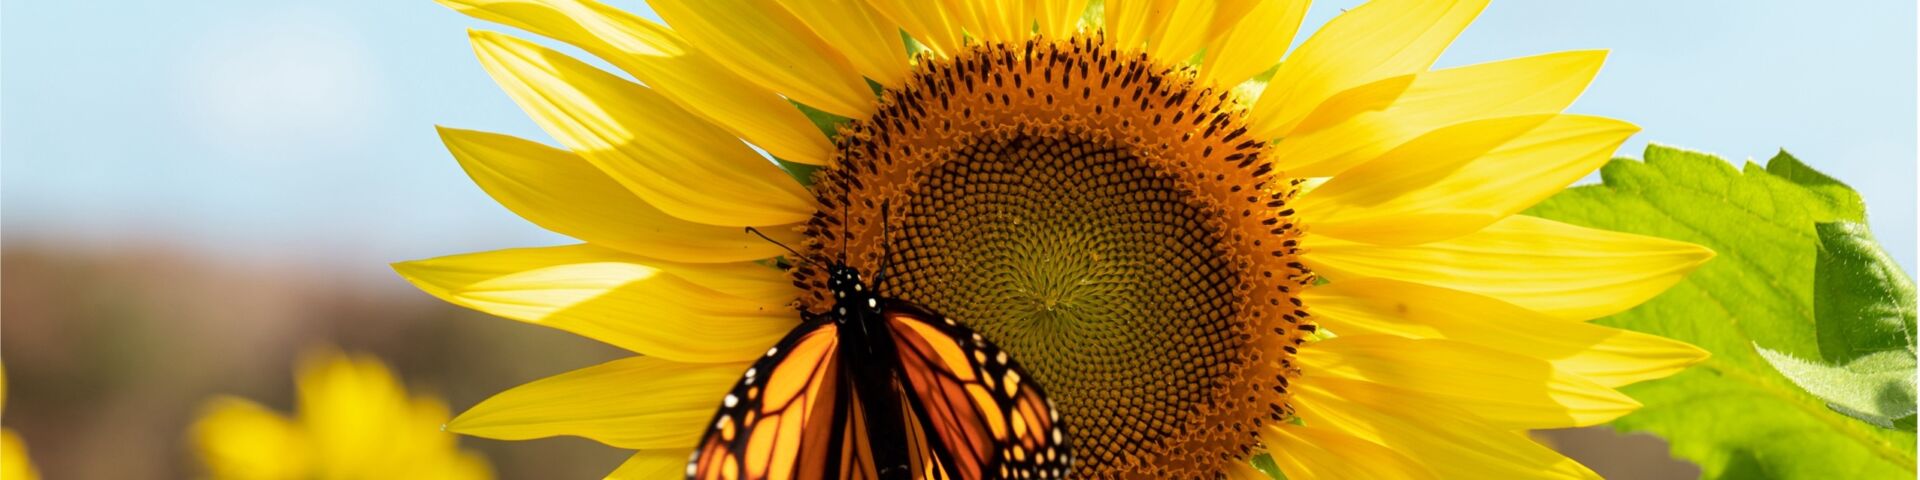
point(881, 388)
point(864, 346)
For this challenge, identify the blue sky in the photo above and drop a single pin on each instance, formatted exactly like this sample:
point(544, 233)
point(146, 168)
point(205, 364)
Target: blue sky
point(304, 131)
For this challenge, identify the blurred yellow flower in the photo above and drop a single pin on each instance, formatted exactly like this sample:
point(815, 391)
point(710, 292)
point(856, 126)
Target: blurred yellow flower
point(354, 420)
point(14, 464)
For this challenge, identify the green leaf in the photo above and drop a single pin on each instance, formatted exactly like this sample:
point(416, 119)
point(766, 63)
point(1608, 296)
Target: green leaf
point(1736, 415)
point(914, 47)
point(1864, 312)
point(800, 172)
point(1265, 464)
point(1253, 86)
point(1876, 388)
point(1862, 300)
point(827, 123)
point(1837, 193)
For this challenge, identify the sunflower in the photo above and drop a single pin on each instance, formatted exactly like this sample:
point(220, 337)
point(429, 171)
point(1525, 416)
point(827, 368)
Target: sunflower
point(14, 463)
point(1212, 258)
point(355, 421)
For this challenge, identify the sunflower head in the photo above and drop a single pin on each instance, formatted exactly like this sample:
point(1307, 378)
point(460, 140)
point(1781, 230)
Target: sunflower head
point(1102, 215)
point(1107, 194)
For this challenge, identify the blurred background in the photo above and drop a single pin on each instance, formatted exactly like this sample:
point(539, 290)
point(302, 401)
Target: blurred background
point(193, 192)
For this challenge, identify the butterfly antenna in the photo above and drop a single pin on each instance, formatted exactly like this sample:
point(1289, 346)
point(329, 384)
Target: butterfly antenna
point(764, 236)
point(846, 225)
point(885, 248)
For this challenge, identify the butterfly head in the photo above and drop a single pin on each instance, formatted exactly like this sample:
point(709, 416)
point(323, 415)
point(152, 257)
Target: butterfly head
point(850, 292)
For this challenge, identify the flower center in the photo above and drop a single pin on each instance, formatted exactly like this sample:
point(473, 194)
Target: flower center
point(1100, 217)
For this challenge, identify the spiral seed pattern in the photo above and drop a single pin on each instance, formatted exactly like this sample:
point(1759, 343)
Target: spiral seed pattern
point(1100, 217)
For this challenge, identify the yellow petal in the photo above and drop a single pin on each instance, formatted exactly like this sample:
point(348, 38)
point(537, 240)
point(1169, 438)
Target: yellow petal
point(674, 160)
point(608, 296)
point(870, 41)
point(562, 192)
point(653, 464)
point(1505, 389)
point(657, 57)
point(1057, 19)
point(1245, 471)
point(741, 279)
point(1566, 271)
point(927, 21)
point(635, 403)
point(1363, 122)
point(1194, 24)
point(972, 19)
point(1376, 40)
point(1130, 23)
point(1457, 179)
point(762, 41)
point(1013, 19)
point(1450, 442)
point(237, 438)
point(1306, 452)
point(1255, 44)
point(1608, 356)
point(1182, 29)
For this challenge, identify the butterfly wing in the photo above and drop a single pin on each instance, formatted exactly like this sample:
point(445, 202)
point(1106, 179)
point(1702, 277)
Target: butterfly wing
point(923, 455)
point(793, 415)
point(855, 452)
point(989, 418)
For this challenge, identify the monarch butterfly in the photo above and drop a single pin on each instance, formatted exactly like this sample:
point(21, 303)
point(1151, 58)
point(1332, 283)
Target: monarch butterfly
point(882, 388)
